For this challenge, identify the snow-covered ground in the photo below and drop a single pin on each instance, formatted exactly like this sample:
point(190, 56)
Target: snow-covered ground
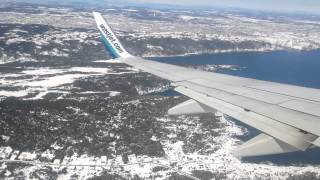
point(41, 81)
point(220, 162)
point(249, 33)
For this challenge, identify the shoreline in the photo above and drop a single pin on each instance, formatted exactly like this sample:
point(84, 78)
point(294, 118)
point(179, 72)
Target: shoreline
point(230, 52)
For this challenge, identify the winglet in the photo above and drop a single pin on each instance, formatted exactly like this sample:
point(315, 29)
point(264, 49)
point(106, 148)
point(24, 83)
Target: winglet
point(109, 39)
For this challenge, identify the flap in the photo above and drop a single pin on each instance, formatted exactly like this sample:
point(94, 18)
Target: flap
point(263, 145)
point(189, 107)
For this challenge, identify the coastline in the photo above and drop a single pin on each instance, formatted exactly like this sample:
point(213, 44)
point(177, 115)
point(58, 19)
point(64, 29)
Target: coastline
point(231, 51)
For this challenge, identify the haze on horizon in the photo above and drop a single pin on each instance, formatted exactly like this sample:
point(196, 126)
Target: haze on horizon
point(308, 6)
point(285, 6)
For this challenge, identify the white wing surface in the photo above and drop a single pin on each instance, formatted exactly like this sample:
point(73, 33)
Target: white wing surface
point(288, 116)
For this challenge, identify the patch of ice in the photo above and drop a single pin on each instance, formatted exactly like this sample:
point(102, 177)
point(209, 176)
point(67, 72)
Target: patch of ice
point(26, 156)
point(43, 71)
point(39, 96)
point(75, 109)
point(90, 70)
point(92, 92)
point(43, 92)
point(54, 81)
point(156, 48)
point(131, 10)
point(13, 93)
point(114, 93)
point(19, 30)
point(15, 40)
point(54, 52)
point(134, 102)
point(187, 18)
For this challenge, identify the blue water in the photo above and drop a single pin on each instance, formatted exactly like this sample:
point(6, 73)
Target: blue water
point(297, 68)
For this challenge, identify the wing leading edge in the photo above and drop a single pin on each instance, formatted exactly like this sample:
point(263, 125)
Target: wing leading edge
point(288, 116)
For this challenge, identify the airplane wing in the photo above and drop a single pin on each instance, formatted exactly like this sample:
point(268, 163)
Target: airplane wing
point(288, 116)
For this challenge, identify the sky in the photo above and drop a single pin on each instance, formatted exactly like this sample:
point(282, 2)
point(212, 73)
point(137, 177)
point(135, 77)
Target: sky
point(310, 6)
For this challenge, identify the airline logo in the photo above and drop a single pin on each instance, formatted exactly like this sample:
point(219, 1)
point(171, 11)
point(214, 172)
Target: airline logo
point(112, 39)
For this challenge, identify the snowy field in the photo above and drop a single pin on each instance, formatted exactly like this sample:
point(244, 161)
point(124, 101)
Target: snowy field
point(189, 32)
point(35, 83)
